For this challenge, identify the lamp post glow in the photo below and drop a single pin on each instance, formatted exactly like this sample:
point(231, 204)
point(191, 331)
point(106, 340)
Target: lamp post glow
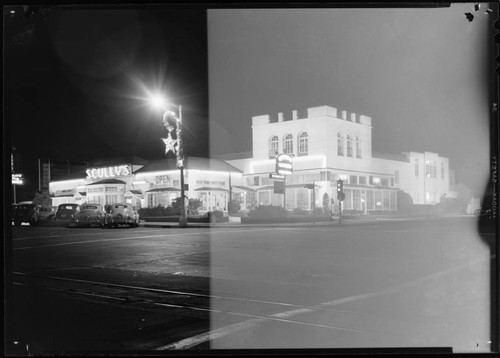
point(174, 145)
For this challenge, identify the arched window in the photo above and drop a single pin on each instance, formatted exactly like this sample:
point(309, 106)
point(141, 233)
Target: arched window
point(349, 146)
point(288, 144)
point(340, 144)
point(303, 144)
point(358, 148)
point(273, 146)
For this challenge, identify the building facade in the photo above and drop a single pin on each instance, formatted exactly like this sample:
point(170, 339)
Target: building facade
point(328, 144)
point(149, 184)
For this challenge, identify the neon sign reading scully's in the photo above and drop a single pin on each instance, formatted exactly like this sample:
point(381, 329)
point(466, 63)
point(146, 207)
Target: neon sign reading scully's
point(109, 172)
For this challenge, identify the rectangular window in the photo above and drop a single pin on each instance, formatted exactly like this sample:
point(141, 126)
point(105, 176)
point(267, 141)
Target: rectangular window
point(362, 180)
point(386, 202)
point(356, 199)
point(255, 180)
point(392, 181)
point(384, 182)
point(370, 201)
point(176, 183)
point(347, 203)
point(353, 179)
point(371, 180)
point(303, 199)
point(378, 200)
point(393, 201)
point(264, 197)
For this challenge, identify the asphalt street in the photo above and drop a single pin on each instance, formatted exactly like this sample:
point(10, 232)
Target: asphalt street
point(381, 284)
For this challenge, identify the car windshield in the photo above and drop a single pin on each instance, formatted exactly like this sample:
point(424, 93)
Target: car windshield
point(89, 207)
point(120, 206)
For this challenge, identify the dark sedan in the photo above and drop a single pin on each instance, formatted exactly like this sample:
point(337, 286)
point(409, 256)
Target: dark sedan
point(65, 214)
point(90, 215)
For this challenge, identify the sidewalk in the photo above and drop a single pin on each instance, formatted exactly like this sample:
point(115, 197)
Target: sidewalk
point(345, 221)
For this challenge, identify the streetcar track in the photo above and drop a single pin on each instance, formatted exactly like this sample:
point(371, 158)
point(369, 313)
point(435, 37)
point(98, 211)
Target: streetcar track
point(277, 317)
point(189, 294)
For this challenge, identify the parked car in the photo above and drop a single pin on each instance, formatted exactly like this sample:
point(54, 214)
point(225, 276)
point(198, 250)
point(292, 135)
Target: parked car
point(65, 214)
point(90, 215)
point(122, 214)
point(42, 214)
point(22, 213)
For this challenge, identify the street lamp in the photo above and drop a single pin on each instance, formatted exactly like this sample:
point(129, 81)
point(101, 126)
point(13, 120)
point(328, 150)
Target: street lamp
point(172, 122)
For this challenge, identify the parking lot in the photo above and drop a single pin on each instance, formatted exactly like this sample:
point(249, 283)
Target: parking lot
point(383, 284)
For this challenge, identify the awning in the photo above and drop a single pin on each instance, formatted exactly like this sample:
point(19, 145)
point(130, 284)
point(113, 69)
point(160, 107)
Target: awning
point(207, 188)
point(108, 181)
point(159, 190)
point(296, 186)
point(244, 188)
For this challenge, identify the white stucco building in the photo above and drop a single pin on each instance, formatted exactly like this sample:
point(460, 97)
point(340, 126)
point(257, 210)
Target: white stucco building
point(149, 183)
point(328, 144)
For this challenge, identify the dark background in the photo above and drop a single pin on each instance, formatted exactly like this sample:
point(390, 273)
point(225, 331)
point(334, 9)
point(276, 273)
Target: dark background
point(76, 79)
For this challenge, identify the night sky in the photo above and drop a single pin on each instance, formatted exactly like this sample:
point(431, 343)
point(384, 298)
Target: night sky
point(421, 74)
point(76, 79)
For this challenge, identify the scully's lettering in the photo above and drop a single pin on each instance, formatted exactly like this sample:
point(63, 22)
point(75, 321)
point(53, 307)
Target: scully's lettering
point(109, 172)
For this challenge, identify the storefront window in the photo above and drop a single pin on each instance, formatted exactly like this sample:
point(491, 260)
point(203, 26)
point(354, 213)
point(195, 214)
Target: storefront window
point(387, 200)
point(265, 197)
point(303, 199)
point(347, 203)
point(356, 199)
point(370, 202)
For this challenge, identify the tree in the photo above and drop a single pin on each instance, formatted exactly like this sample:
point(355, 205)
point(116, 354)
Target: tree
point(42, 198)
point(405, 202)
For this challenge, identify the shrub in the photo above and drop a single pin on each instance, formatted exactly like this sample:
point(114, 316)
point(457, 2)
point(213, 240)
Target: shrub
point(234, 207)
point(268, 212)
point(299, 211)
point(156, 211)
point(194, 206)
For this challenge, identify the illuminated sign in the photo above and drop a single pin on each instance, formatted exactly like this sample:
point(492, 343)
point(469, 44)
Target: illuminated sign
point(276, 176)
point(17, 179)
point(163, 179)
point(109, 172)
point(284, 164)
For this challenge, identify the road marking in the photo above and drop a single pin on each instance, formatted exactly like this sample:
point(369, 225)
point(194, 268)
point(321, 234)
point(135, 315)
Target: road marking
point(233, 328)
point(137, 237)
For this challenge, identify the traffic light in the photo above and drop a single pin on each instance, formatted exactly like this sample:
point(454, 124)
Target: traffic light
point(340, 186)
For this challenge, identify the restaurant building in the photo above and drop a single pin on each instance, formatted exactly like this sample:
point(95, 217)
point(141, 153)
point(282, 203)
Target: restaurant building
point(328, 144)
point(149, 183)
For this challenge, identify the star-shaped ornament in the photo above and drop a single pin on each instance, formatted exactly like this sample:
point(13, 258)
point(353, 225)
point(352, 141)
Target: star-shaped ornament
point(170, 144)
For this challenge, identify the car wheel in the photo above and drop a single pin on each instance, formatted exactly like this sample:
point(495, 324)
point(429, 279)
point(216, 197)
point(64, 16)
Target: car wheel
point(33, 223)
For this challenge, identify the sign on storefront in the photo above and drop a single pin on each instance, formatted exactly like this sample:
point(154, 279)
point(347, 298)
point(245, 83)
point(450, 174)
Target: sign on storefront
point(109, 172)
point(163, 179)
